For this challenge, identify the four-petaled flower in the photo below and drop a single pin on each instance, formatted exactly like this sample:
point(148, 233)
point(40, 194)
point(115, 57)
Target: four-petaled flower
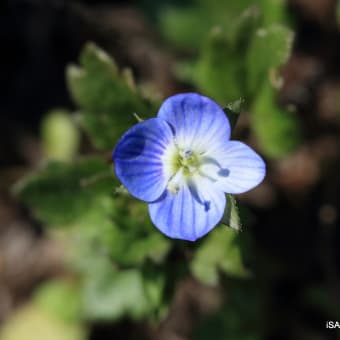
point(182, 163)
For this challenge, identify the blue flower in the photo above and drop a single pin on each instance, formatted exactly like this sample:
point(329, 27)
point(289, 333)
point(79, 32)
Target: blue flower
point(182, 163)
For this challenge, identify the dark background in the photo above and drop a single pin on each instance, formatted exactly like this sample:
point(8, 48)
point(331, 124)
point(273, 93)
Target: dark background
point(38, 38)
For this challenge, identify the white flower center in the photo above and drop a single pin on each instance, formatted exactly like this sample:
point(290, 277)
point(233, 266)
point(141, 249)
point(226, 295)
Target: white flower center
point(180, 164)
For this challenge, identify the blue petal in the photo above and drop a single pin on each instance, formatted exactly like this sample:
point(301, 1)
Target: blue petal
point(197, 121)
point(235, 167)
point(189, 214)
point(138, 158)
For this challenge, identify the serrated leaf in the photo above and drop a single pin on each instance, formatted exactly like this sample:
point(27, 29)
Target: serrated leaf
point(95, 60)
point(231, 216)
point(60, 193)
point(219, 252)
point(270, 48)
point(114, 230)
point(112, 226)
point(106, 98)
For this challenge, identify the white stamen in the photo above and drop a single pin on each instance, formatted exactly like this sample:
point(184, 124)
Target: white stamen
point(175, 182)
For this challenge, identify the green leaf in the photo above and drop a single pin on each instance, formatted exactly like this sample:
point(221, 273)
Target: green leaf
point(185, 26)
point(221, 69)
point(219, 252)
point(107, 99)
point(115, 284)
point(154, 279)
point(60, 136)
point(178, 26)
point(153, 246)
point(60, 193)
point(218, 71)
point(233, 111)
point(273, 11)
point(276, 129)
point(61, 299)
point(270, 48)
point(109, 294)
point(231, 216)
point(244, 29)
point(112, 230)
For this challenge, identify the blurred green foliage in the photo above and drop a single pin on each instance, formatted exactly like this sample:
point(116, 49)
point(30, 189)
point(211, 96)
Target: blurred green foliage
point(220, 252)
point(122, 266)
point(51, 297)
point(59, 136)
point(118, 256)
point(60, 192)
point(275, 127)
point(33, 322)
point(185, 26)
point(106, 98)
point(241, 47)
